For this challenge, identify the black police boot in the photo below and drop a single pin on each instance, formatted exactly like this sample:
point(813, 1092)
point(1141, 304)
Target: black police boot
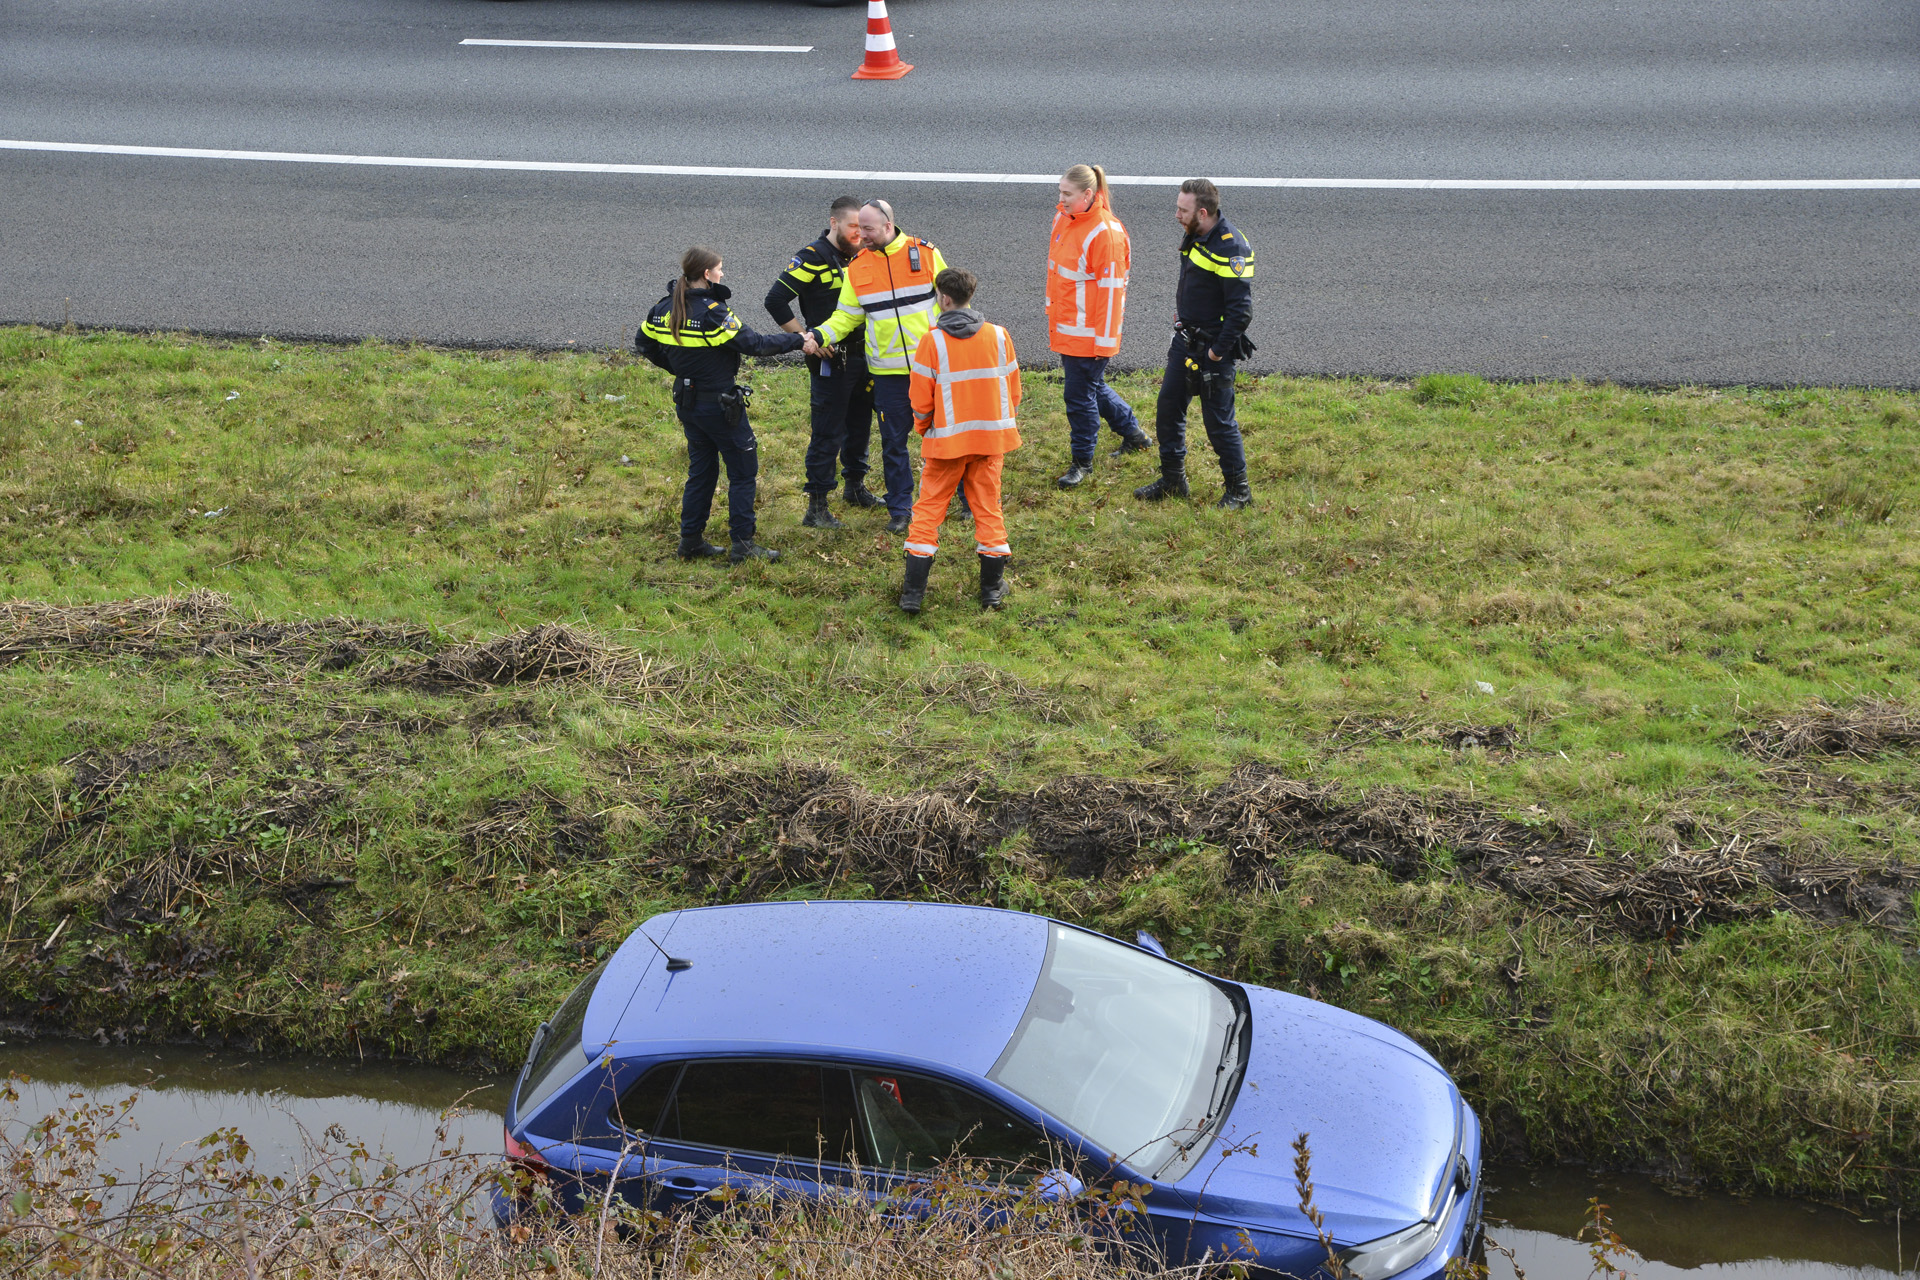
point(913, 592)
point(751, 550)
point(899, 524)
point(993, 582)
point(1171, 484)
point(1076, 476)
point(857, 495)
point(1135, 443)
point(698, 549)
point(1237, 494)
point(818, 517)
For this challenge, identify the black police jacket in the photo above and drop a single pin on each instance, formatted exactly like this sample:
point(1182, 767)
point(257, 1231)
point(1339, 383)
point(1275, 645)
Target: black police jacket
point(812, 279)
point(1215, 294)
point(708, 347)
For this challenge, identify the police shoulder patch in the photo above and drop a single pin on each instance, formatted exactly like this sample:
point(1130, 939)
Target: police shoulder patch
point(796, 262)
point(1237, 264)
point(733, 321)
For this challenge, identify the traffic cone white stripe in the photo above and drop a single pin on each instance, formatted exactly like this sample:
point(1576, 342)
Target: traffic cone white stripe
point(883, 58)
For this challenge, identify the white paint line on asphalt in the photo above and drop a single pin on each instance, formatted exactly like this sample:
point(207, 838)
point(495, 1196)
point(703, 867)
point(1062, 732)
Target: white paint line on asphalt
point(615, 44)
point(886, 175)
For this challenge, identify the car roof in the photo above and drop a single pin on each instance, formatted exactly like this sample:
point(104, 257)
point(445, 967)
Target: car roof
point(936, 982)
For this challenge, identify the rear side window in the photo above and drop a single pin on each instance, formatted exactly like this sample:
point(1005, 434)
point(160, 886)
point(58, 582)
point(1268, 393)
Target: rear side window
point(559, 1057)
point(913, 1122)
point(799, 1109)
point(638, 1109)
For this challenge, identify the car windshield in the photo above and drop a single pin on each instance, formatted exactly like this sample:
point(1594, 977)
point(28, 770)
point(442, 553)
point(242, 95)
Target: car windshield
point(1125, 1048)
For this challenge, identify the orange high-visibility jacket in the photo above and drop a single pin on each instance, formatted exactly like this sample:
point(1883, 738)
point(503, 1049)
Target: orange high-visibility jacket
point(1087, 265)
point(890, 291)
point(964, 392)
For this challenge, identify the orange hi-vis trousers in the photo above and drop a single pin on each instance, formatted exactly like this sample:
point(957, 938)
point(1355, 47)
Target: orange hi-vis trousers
point(939, 477)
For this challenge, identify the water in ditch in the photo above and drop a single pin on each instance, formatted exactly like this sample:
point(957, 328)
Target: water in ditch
point(187, 1093)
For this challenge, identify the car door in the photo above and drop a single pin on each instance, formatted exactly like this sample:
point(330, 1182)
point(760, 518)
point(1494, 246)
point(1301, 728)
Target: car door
point(696, 1126)
point(908, 1123)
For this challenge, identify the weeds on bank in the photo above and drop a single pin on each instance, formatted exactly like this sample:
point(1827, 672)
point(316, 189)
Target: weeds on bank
point(211, 1214)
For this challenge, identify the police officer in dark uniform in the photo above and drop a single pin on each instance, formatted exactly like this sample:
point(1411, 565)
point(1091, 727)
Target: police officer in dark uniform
point(841, 390)
point(1214, 303)
point(693, 334)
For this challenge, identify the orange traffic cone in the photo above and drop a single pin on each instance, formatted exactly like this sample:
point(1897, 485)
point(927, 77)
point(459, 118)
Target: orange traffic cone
point(883, 58)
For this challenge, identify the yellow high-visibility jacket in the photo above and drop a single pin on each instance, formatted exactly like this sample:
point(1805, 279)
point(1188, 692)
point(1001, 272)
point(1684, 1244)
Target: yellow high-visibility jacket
point(890, 290)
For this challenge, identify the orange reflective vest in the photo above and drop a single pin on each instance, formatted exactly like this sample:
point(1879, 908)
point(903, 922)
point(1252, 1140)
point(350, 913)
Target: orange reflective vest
point(889, 290)
point(1087, 265)
point(964, 392)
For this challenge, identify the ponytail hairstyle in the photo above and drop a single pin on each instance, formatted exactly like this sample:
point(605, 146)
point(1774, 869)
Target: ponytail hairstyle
point(694, 265)
point(1087, 177)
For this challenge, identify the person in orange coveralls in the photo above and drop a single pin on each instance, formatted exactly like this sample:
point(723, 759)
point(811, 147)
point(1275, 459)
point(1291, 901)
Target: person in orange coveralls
point(964, 390)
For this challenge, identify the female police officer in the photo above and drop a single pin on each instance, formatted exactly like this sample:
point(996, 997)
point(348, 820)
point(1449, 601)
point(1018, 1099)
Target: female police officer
point(694, 335)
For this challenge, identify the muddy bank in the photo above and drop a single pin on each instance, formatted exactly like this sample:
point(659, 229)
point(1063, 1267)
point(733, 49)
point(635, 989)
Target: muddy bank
point(758, 832)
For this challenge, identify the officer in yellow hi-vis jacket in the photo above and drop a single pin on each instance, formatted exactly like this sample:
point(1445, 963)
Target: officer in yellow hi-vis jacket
point(888, 287)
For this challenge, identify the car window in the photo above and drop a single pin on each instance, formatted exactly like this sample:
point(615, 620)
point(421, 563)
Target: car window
point(798, 1109)
point(912, 1122)
point(560, 1053)
point(638, 1109)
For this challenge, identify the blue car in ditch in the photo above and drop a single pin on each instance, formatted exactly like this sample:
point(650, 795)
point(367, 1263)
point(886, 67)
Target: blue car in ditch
point(819, 1047)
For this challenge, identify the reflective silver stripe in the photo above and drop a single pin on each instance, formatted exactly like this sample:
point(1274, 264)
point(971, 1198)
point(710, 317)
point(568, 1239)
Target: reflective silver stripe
point(974, 375)
point(961, 428)
point(946, 384)
point(922, 548)
point(920, 369)
point(1002, 550)
point(1074, 330)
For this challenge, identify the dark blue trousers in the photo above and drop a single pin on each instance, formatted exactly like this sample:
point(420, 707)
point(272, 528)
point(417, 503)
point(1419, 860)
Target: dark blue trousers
point(1090, 399)
point(1216, 411)
point(892, 403)
point(842, 405)
point(709, 441)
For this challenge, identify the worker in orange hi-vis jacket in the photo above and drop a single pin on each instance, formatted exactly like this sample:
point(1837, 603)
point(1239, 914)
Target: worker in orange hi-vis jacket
point(1088, 259)
point(964, 390)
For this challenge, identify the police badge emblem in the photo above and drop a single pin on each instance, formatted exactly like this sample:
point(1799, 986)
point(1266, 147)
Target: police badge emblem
point(1237, 265)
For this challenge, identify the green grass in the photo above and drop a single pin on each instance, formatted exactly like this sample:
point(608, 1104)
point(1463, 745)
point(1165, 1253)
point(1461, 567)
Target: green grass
point(289, 837)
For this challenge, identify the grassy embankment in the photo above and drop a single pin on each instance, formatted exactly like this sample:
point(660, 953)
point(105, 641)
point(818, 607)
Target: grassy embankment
point(1492, 719)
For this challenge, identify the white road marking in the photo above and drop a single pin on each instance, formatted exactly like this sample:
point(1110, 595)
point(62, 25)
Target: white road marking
point(888, 175)
point(614, 44)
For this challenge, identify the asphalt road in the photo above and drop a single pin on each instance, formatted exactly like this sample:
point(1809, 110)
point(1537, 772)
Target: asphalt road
point(1776, 286)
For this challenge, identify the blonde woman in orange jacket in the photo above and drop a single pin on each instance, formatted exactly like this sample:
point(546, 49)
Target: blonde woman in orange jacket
point(1088, 261)
point(965, 389)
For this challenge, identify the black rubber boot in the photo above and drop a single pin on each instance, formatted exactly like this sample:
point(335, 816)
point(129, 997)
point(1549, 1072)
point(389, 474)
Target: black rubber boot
point(818, 517)
point(1135, 443)
point(913, 592)
point(1171, 484)
point(1237, 494)
point(899, 524)
point(701, 550)
point(1076, 476)
point(857, 495)
point(751, 550)
point(993, 581)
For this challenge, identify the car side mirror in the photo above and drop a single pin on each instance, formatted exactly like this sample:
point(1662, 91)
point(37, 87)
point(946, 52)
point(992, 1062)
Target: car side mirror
point(1057, 1185)
point(1151, 943)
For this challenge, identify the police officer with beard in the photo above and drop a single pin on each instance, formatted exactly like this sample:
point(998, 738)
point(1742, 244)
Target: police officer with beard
point(840, 390)
point(1213, 305)
point(693, 334)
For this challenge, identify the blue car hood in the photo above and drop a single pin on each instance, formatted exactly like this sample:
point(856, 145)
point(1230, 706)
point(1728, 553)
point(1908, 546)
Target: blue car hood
point(1383, 1120)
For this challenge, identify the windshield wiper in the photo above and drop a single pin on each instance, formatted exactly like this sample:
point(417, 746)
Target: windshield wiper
point(1223, 1073)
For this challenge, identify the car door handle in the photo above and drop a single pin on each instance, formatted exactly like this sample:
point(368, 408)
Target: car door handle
point(684, 1188)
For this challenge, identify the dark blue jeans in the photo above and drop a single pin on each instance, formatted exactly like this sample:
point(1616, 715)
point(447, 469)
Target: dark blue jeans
point(1216, 411)
point(842, 404)
point(1090, 399)
point(892, 403)
point(709, 441)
